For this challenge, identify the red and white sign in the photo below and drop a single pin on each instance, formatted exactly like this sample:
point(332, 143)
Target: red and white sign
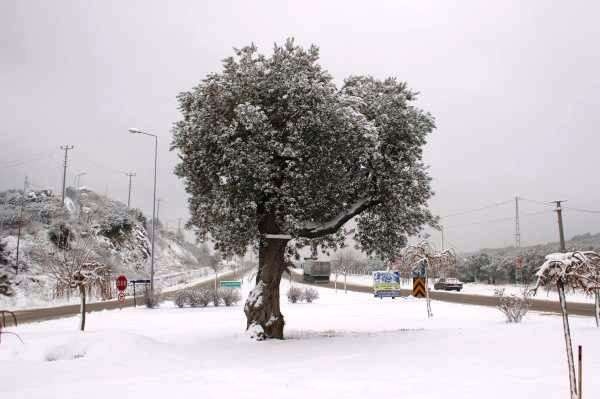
point(121, 283)
point(121, 297)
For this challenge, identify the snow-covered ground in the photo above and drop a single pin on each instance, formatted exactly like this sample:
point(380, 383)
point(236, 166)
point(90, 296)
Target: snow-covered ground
point(473, 288)
point(344, 345)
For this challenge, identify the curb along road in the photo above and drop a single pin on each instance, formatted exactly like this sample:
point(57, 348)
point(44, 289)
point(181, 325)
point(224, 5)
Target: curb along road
point(539, 305)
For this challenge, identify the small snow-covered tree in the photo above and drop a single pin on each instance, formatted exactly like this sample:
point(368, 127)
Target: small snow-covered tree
point(78, 267)
point(342, 264)
point(570, 270)
point(273, 153)
point(424, 256)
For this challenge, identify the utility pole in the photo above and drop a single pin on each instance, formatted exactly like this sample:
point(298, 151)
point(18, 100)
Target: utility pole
point(517, 224)
point(560, 225)
point(157, 209)
point(66, 149)
point(443, 237)
point(20, 223)
point(130, 175)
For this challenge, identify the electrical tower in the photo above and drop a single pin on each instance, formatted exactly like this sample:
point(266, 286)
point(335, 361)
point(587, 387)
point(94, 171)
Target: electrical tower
point(517, 224)
point(66, 149)
point(130, 175)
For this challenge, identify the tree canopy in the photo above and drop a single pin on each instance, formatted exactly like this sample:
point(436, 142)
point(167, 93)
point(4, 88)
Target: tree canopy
point(271, 145)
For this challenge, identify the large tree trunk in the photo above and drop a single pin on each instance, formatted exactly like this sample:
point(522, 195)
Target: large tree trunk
point(264, 318)
point(567, 333)
point(82, 295)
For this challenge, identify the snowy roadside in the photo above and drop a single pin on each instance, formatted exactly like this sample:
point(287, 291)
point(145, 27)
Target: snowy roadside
point(469, 288)
point(345, 345)
point(35, 303)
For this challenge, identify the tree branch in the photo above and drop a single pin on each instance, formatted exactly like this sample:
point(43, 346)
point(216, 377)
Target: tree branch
point(315, 230)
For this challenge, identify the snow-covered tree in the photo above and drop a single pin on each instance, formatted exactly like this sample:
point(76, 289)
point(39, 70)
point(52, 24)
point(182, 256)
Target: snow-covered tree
point(78, 268)
point(423, 256)
point(570, 270)
point(271, 151)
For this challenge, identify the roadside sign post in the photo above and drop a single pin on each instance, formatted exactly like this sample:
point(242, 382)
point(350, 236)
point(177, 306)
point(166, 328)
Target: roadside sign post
point(230, 284)
point(134, 282)
point(121, 286)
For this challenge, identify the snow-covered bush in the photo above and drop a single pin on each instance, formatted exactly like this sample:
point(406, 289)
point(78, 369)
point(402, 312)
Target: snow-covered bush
point(229, 296)
point(200, 297)
point(60, 235)
point(294, 294)
point(152, 300)
point(514, 307)
point(310, 295)
point(182, 298)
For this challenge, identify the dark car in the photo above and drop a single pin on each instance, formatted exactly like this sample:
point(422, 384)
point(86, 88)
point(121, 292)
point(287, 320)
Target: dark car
point(448, 284)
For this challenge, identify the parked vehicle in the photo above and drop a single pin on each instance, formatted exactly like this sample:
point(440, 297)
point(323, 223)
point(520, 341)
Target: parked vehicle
point(448, 284)
point(316, 271)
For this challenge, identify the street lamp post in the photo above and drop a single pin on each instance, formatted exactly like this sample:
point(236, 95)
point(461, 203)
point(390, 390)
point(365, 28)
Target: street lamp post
point(139, 131)
point(78, 179)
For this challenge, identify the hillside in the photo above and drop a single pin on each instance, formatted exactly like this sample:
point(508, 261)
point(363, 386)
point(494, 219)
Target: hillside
point(108, 232)
point(512, 264)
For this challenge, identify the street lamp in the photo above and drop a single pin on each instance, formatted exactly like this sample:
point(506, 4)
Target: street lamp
point(139, 131)
point(78, 179)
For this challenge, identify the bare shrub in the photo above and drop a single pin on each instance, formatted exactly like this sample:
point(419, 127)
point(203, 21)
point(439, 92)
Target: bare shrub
point(200, 297)
point(230, 296)
point(310, 295)
point(183, 298)
point(294, 294)
point(514, 307)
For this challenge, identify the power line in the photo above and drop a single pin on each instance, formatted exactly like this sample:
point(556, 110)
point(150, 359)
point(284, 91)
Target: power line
point(36, 158)
point(497, 204)
point(505, 219)
point(552, 204)
point(580, 210)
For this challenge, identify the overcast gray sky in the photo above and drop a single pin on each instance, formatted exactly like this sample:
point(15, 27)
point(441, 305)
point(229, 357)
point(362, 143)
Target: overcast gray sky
point(514, 87)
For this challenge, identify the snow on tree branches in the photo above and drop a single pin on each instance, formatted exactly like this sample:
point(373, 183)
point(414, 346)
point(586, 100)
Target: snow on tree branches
point(271, 146)
point(570, 270)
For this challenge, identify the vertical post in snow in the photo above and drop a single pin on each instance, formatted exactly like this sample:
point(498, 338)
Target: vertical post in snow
point(345, 287)
point(20, 224)
point(580, 391)
point(335, 281)
point(429, 312)
point(597, 307)
point(82, 306)
point(568, 345)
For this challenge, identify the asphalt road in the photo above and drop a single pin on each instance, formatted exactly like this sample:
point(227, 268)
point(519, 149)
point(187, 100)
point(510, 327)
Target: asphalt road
point(539, 305)
point(41, 314)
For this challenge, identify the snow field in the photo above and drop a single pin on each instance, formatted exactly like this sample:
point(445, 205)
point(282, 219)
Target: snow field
point(344, 345)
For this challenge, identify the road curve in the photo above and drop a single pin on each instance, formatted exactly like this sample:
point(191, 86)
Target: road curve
point(539, 305)
point(56, 312)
